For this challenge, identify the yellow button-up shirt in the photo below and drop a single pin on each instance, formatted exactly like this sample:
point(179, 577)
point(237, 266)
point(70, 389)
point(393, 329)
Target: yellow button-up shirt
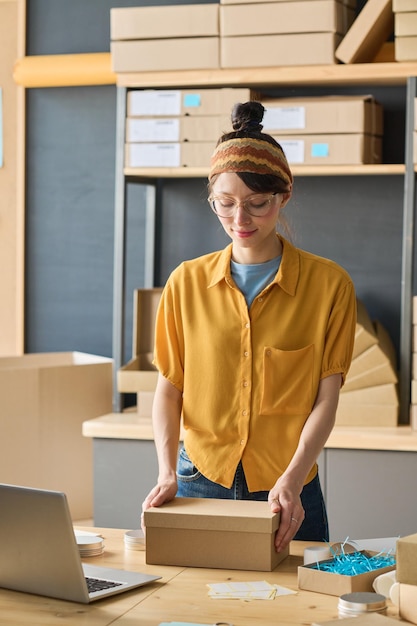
point(249, 378)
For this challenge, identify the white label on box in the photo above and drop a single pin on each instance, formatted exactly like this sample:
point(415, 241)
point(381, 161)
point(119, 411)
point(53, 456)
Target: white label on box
point(293, 149)
point(154, 155)
point(276, 118)
point(139, 129)
point(163, 102)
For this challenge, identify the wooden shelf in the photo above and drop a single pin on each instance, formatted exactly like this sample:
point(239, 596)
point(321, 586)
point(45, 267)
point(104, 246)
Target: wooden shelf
point(301, 170)
point(314, 75)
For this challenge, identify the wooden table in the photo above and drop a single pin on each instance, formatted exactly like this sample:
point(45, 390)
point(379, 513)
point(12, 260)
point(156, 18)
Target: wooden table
point(181, 595)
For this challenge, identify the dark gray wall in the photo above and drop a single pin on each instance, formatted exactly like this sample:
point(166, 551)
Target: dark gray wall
point(356, 221)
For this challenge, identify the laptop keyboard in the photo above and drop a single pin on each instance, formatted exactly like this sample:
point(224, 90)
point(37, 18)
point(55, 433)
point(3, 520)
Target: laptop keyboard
point(98, 584)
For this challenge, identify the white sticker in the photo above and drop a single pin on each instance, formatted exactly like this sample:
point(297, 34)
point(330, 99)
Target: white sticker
point(139, 129)
point(164, 102)
point(154, 155)
point(280, 118)
point(293, 149)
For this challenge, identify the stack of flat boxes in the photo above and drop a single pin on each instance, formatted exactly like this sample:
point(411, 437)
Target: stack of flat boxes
point(177, 128)
point(139, 375)
point(413, 411)
point(178, 37)
point(260, 33)
point(370, 394)
point(405, 20)
point(406, 576)
point(326, 130)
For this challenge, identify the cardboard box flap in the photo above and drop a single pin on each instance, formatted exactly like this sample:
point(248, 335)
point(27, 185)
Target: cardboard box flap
point(145, 306)
point(372, 27)
point(214, 514)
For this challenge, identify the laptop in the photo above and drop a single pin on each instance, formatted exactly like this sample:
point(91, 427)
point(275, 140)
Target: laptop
point(39, 552)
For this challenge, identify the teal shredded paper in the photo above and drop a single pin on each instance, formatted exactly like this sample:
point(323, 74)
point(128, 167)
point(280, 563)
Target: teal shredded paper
point(355, 563)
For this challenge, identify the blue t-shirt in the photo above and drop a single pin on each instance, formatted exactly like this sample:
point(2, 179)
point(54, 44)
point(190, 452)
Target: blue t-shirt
point(253, 278)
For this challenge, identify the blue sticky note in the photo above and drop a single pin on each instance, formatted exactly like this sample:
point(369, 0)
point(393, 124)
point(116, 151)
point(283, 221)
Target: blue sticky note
point(320, 150)
point(192, 100)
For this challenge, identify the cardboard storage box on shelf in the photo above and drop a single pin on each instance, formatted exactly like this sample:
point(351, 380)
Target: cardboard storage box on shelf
point(365, 335)
point(149, 55)
point(350, 3)
point(167, 102)
point(407, 602)
point(205, 532)
point(177, 37)
point(370, 30)
point(46, 397)
point(349, 149)
point(405, 31)
point(180, 128)
point(312, 579)
point(325, 114)
point(375, 366)
point(186, 154)
point(273, 18)
point(139, 374)
point(371, 406)
point(278, 50)
point(406, 552)
point(164, 22)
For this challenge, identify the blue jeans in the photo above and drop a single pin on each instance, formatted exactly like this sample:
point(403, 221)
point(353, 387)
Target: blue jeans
point(192, 484)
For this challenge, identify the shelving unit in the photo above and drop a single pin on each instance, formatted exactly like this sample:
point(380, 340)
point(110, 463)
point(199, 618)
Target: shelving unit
point(367, 75)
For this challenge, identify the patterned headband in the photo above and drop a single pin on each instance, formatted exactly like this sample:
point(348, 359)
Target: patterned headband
point(250, 155)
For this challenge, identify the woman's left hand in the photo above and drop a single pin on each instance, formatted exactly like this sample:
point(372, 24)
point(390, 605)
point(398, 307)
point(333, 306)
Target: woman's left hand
point(285, 500)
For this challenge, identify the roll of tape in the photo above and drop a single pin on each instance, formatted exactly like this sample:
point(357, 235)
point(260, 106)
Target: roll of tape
point(313, 554)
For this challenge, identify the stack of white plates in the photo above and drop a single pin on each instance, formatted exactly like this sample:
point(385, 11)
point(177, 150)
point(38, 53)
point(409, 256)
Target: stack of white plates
point(134, 540)
point(90, 545)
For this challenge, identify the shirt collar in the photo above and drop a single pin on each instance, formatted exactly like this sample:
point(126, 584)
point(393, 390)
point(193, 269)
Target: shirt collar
point(286, 278)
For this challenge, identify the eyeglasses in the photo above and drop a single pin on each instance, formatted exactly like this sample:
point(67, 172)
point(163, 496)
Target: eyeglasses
point(257, 206)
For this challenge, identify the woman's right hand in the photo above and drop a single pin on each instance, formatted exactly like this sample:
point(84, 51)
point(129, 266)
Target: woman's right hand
point(162, 492)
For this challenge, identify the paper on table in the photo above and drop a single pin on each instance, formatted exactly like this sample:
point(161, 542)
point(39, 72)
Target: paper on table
point(257, 590)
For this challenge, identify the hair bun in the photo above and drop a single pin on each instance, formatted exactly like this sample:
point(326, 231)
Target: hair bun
point(247, 117)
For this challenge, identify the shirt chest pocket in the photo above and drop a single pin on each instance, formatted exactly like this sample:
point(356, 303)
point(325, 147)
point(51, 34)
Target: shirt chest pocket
point(287, 384)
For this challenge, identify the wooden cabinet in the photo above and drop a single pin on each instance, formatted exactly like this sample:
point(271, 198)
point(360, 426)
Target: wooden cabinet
point(363, 76)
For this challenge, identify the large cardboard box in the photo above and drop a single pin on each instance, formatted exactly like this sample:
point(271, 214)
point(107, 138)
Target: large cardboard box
point(323, 115)
point(278, 50)
point(370, 30)
point(185, 154)
point(148, 55)
point(375, 366)
point(334, 149)
point(168, 21)
point(167, 102)
point(205, 532)
point(399, 6)
point(139, 374)
point(371, 406)
point(312, 579)
point(407, 606)
point(45, 398)
point(365, 335)
point(407, 560)
point(272, 18)
point(180, 128)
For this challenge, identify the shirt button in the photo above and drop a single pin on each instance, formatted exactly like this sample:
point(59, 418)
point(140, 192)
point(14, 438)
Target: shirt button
point(244, 412)
point(260, 299)
point(245, 383)
point(268, 353)
point(242, 441)
point(246, 353)
point(247, 325)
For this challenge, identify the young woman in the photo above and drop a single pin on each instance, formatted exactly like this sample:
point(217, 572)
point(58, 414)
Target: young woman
point(252, 345)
